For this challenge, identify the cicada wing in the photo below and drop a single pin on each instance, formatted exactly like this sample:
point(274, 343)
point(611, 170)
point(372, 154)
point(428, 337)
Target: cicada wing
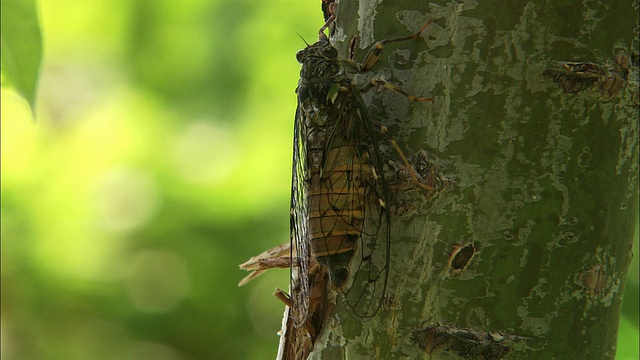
point(370, 265)
point(299, 227)
point(369, 269)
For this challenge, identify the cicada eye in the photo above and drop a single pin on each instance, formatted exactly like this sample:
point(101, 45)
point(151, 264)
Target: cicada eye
point(330, 52)
point(300, 56)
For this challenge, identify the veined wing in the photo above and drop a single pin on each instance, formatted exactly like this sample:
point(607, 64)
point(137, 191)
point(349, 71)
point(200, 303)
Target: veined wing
point(352, 233)
point(299, 225)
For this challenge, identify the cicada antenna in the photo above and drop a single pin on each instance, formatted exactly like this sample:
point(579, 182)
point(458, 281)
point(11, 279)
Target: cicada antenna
point(300, 36)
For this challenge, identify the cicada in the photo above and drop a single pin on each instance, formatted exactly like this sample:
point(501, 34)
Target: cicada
point(339, 195)
point(340, 224)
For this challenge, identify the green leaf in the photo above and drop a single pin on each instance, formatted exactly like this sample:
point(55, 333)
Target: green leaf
point(21, 47)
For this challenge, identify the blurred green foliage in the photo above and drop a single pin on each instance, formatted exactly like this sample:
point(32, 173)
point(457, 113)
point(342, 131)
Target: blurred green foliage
point(21, 47)
point(159, 162)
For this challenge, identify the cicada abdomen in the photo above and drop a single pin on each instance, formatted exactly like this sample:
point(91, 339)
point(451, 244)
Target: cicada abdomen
point(348, 221)
point(337, 207)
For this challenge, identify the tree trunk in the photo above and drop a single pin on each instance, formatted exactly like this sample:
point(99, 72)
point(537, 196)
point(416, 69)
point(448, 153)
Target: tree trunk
point(522, 251)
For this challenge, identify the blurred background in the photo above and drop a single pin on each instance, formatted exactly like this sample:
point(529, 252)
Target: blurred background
point(159, 161)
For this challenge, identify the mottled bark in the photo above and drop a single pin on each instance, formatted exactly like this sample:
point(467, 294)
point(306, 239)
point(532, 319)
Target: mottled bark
point(523, 252)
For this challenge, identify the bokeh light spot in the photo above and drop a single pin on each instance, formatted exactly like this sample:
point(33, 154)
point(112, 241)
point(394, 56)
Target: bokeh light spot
point(126, 199)
point(205, 152)
point(157, 282)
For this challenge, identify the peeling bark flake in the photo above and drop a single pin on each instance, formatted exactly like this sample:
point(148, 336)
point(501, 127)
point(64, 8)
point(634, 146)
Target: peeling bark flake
point(594, 280)
point(609, 78)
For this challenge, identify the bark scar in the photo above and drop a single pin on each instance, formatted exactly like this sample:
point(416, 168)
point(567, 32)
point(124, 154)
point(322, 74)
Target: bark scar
point(467, 343)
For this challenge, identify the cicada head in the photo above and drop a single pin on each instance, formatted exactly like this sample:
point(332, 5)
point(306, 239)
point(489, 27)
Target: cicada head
point(321, 71)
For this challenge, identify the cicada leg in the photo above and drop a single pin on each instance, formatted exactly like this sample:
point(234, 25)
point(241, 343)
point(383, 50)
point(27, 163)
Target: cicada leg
point(377, 83)
point(383, 129)
point(373, 55)
point(412, 171)
point(329, 9)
